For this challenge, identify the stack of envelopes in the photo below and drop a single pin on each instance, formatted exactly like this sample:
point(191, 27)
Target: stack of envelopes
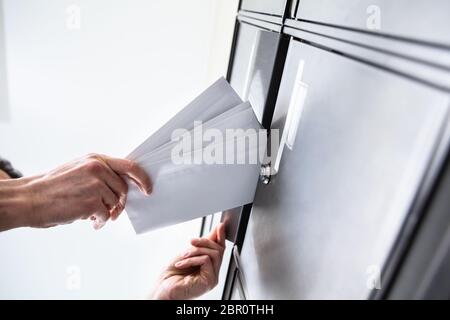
point(204, 160)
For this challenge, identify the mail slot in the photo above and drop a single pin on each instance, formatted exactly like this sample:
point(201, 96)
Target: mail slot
point(420, 19)
point(253, 65)
point(273, 7)
point(361, 143)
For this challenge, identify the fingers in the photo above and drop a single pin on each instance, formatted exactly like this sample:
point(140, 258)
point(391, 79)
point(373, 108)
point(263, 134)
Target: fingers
point(132, 170)
point(100, 218)
point(110, 199)
point(97, 224)
point(206, 268)
point(206, 254)
point(218, 234)
point(212, 235)
point(199, 261)
point(117, 210)
point(119, 187)
point(109, 171)
point(215, 255)
point(114, 203)
point(204, 242)
point(221, 234)
point(114, 181)
point(211, 248)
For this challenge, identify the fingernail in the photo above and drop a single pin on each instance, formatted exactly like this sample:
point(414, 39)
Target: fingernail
point(186, 254)
point(179, 263)
point(97, 224)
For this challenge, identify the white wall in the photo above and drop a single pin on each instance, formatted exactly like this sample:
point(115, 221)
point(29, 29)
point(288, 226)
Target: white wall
point(4, 104)
point(101, 88)
point(221, 37)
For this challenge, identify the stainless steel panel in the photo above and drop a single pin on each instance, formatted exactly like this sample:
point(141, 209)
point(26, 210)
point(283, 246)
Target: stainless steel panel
point(432, 74)
point(434, 56)
point(409, 260)
point(421, 19)
point(263, 24)
point(231, 218)
point(273, 7)
point(253, 65)
point(326, 222)
point(423, 273)
point(261, 17)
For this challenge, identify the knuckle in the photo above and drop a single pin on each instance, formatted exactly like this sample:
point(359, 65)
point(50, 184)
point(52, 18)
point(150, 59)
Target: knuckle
point(94, 166)
point(97, 185)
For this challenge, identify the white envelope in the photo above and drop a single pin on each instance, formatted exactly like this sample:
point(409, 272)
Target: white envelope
point(187, 191)
point(214, 101)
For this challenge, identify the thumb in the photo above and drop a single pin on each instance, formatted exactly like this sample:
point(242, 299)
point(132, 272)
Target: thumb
point(132, 170)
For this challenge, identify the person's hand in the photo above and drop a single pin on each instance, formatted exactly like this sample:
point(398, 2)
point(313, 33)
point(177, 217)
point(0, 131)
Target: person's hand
point(196, 271)
point(92, 187)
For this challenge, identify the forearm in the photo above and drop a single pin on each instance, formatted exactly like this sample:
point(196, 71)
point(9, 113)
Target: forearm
point(16, 204)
